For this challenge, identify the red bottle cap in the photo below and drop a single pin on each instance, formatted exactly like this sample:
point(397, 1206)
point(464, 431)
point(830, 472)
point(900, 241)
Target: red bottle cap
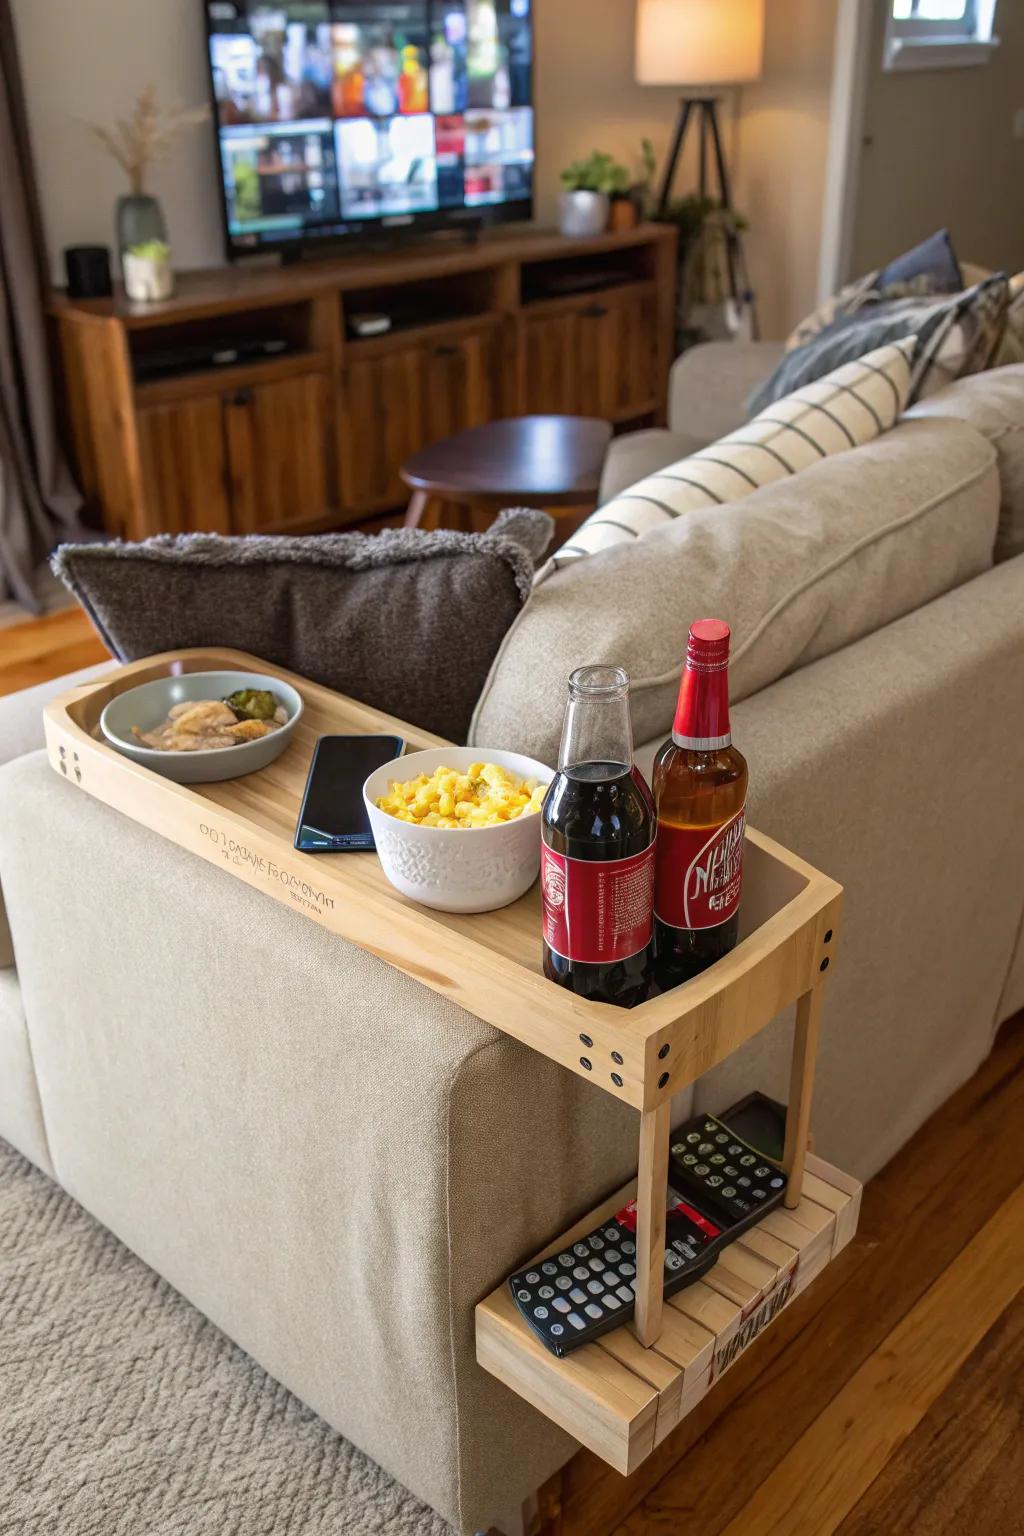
point(702, 714)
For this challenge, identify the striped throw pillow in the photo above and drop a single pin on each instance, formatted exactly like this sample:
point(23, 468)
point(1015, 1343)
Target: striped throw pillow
point(857, 402)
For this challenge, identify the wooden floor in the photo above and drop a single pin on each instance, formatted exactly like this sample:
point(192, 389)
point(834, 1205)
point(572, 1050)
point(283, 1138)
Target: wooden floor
point(39, 649)
point(889, 1398)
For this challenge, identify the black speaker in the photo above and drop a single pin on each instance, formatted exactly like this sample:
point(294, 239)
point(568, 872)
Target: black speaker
point(88, 270)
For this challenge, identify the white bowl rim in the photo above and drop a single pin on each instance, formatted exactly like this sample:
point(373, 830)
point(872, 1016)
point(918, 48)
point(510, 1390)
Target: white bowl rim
point(207, 753)
point(478, 755)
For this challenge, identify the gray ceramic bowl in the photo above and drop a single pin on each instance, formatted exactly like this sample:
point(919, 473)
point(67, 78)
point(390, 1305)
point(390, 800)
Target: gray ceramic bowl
point(148, 706)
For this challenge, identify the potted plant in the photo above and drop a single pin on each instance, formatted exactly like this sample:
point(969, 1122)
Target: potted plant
point(147, 272)
point(136, 143)
point(589, 187)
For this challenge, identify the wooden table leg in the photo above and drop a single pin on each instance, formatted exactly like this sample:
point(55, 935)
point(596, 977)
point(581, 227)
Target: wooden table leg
point(417, 507)
point(652, 1184)
point(801, 1087)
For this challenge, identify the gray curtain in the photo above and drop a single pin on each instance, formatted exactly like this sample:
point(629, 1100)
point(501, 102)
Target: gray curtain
point(39, 503)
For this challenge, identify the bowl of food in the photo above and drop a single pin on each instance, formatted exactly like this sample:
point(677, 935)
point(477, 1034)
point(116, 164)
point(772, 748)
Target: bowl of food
point(457, 828)
point(202, 727)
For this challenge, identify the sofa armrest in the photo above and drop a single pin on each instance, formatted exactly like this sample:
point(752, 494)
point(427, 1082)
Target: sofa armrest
point(21, 731)
point(637, 454)
point(331, 1161)
point(710, 383)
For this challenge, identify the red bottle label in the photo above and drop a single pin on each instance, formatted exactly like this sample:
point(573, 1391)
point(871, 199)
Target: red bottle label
point(699, 873)
point(597, 911)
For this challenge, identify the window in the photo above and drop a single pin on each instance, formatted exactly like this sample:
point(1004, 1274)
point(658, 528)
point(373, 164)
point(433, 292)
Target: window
point(939, 34)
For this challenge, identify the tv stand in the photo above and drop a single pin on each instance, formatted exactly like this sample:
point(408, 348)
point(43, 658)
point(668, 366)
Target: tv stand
point(311, 434)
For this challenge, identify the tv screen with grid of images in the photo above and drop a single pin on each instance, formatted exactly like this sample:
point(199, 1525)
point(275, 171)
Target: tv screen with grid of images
point(334, 116)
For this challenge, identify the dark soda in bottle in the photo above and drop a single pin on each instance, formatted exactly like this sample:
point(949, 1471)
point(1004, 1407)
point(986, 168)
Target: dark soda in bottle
point(597, 854)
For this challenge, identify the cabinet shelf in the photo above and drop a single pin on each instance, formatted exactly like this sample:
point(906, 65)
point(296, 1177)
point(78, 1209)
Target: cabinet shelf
point(619, 1399)
point(221, 381)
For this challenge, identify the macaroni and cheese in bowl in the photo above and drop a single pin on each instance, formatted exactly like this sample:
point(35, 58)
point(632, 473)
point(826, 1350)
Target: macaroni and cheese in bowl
point(458, 828)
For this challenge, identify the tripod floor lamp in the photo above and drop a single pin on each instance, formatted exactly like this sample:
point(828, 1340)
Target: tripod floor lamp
point(702, 43)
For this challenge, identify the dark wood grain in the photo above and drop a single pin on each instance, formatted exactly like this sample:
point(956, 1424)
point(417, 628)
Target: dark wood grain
point(916, 1216)
point(962, 1470)
point(550, 460)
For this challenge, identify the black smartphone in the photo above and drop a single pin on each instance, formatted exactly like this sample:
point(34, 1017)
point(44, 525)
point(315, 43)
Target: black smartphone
point(333, 818)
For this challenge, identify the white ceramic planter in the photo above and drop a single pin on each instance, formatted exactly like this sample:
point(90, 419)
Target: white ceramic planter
point(582, 215)
point(146, 280)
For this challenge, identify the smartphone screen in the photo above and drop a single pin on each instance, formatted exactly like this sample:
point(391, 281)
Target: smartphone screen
point(333, 818)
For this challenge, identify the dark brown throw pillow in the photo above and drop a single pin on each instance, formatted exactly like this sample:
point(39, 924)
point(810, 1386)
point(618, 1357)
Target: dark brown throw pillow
point(406, 621)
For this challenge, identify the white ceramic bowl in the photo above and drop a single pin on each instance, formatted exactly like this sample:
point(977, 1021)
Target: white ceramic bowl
point(455, 871)
point(147, 707)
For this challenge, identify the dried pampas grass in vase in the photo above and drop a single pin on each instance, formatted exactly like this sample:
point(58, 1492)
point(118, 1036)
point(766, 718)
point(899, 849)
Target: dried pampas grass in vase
point(136, 143)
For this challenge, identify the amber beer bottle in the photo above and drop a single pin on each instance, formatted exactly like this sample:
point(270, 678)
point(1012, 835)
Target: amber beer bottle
point(700, 791)
point(597, 849)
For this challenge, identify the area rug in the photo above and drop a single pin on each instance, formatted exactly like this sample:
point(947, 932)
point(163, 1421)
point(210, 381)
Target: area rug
point(124, 1412)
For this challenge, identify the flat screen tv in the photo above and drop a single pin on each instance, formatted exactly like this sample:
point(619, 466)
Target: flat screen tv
point(338, 119)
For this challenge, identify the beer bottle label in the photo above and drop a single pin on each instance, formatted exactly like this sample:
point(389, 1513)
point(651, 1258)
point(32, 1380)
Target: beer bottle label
point(699, 873)
point(597, 911)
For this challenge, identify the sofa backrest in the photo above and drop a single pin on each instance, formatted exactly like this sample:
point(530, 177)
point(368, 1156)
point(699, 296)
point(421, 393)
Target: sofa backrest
point(993, 404)
point(799, 569)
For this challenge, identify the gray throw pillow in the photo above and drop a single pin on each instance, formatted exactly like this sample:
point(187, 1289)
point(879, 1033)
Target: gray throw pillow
point(956, 335)
point(405, 621)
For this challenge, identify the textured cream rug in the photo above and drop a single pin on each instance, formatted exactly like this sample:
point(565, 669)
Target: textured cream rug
point(124, 1412)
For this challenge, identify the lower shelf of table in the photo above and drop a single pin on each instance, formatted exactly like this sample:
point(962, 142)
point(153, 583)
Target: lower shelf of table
point(619, 1399)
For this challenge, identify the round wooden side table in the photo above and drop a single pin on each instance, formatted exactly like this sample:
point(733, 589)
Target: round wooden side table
point(540, 461)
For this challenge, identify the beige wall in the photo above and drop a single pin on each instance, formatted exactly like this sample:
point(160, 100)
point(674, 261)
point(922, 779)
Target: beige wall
point(85, 59)
point(941, 151)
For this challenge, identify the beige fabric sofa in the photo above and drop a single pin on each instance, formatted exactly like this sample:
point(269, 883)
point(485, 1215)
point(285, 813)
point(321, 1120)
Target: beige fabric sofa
point(333, 1163)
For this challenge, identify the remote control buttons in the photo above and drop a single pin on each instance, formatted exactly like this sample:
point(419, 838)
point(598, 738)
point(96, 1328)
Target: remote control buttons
point(721, 1138)
point(744, 1181)
point(629, 1248)
point(591, 1310)
point(596, 1265)
point(576, 1320)
point(545, 1293)
point(702, 1170)
point(761, 1173)
point(560, 1304)
point(717, 1158)
point(612, 1234)
point(577, 1295)
point(557, 1330)
point(679, 1150)
point(549, 1269)
point(628, 1269)
point(595, 1287)
point(777, 1183)
point(612, 1302)
point(693, 1138)
point(690, 1159)
point(735, 1150)
point(748, 1160)
point(522, 1295)
point(730, 1172)
point(729, 1192)
point(563, 1282)
point(596, 1242)
point(532, 1278)
point(580, 1249)
point(672, 1260)
point(613, 1255)
point(711, 1125)
point(705, 1148)
point(565, 1259)
point(581, 1272)
point(540, 1313)
point(758, 1194)
point(714, 1179)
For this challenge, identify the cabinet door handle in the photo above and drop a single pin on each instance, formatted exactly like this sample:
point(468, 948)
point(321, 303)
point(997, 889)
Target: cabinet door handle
point(594, 312)
point(242, 397)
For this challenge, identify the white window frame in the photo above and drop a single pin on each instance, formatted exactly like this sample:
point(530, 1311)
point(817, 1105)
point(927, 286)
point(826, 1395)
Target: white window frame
point(917, 42)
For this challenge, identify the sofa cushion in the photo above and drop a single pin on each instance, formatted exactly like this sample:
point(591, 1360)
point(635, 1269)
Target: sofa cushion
point(955, 335)
point(406, 621)
point(851, 406)
point(993, 404)
point(799, 569)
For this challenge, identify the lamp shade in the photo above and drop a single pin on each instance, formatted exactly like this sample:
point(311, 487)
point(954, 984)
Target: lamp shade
point(699, 42)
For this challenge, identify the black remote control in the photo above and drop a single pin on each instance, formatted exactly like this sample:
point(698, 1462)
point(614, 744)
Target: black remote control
point(718, 1187)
